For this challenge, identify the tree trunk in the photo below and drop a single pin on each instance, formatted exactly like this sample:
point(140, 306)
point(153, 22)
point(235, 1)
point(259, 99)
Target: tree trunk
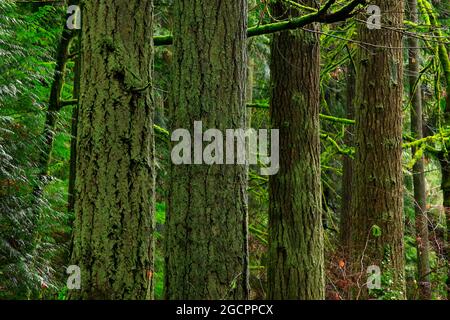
point(53, 109)
point(296, 257)
point(377, 205)
point(347, 165)
point(114, 188)
point(206, 240)
point(422, 243)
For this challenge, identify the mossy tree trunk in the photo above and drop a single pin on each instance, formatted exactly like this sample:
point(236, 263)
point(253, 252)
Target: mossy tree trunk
point(347, 166)
point(420, 201)
point(206, 247)
point(377, 205)
point(114, 188)
point(296, 261)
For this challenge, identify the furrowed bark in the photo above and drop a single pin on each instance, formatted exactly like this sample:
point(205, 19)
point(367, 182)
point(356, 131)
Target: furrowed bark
point(115, 174)
point(206, 240)
point(377, 205)
point(296, 261)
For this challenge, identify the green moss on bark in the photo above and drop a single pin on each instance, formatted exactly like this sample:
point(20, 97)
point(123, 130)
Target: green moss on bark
point(114, 189)
point(206, 247)
point(296, 261)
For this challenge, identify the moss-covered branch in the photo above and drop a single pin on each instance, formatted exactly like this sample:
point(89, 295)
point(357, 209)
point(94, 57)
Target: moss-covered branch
point(336, 119)
point(418, 143)
point(322, 116)
point(300, 6)
point(161, 133)
point(343, 151)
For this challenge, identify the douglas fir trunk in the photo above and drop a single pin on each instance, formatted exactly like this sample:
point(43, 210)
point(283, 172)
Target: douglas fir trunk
point(296, 261)
point(115, 174)
point(378, 186)
point(206, 247)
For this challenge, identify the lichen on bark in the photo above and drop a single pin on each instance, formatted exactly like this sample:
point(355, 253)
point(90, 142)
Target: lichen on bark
point(114, 188)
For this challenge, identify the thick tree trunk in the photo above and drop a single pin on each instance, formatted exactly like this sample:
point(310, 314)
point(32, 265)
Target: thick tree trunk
point(296, 261)
point(114, 191)
point(378, 189)
point(206, 247)
point(422, 243)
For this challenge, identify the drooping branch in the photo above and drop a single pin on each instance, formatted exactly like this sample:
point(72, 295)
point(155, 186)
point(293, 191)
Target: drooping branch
point(336, 119)
point(343, 151)
point(321, 16)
